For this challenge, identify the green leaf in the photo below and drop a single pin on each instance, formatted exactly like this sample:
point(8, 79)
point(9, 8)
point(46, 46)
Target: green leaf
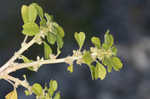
point(92, 70)
point(107, 62)
point(47, 50)
point(114, 62)
point(109, 40)
point(100, 71)
point(96, 41)
point(117, 64)
point(53, 87)
point(70, 68)
point(114, 50)
point(27, 93)
point(87, 58)
point(29, 13)
point(43, 22)
point(49, 18)
point(59, 41)
point(51, 38)
point(59, 30)
point(32, 13)
point(58, 51)
point(37, 89)
point(80, 38)
point(47, 96)
point(39, 10)
point(57, 95)
point(105, 46)
point(26, 60)
point(24, 13)
point(30, 29)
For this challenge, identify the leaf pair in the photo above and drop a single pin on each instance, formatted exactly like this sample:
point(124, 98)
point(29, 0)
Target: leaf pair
point(46, 93)
point(98, 72)
point(29, 15)
point(80, 38)
point(113, 62)
point(55, 34)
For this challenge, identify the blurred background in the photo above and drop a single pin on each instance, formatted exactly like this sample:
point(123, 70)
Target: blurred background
point(128, 21)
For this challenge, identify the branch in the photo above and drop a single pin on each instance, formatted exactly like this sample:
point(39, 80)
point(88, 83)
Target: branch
point(17, 66)
point(36, 64)
point(18, 53)
point(17, 81)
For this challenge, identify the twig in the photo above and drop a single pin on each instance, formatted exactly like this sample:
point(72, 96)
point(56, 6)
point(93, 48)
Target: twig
point(17, 81)
point(37, 63)
point(17, 54)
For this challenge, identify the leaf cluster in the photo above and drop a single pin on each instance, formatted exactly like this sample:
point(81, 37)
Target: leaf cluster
point(51, 32)
point(102, 54)
point(45, 93)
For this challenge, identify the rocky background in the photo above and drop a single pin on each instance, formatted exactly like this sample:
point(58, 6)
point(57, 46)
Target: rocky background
point(128, 21)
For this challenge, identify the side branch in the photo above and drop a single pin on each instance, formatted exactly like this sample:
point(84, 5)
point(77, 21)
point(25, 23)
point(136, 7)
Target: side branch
point(17, 81)
point(35, 64)
point(18, 53)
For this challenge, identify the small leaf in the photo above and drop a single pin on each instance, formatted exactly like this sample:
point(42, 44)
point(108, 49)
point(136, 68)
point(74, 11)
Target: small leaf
point(49, 18)
point(24, 13)
point(92, 70)
point(117, 64)
point(30, 29)
point(51, 38)
point(105, 46)
point(57, 95)
point(32, 13)
point(43, 22)
point(80, 38)
point(58, 51)
point(59, 42)
point(70, 68)
point(100, 71)
point(53, 85)
point(39, 10)
point(114, 50)
point(87, 58)
point(96, 41)
point(12, 95)
point(107, 62)
point(29, 13)
point(109, 40)
point(37, 89)
point(58, 29)
point(47, 96)
point(27, 93)
point(26, 60)
point(47, 50)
